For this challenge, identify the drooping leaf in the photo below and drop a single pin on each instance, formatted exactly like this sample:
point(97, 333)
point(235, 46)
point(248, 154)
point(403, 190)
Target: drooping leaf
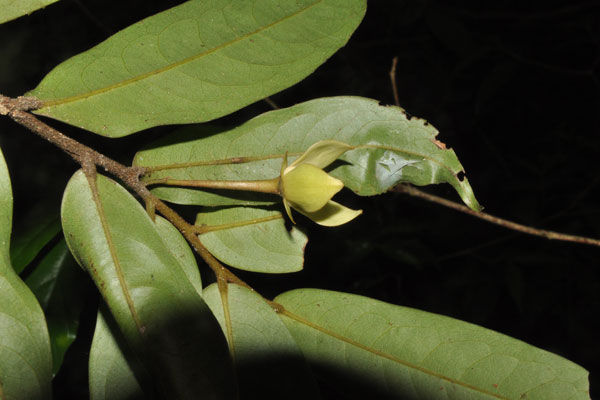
point(25, 357)
point(389, 148)
point(398, 352)
point(57, 282)
point(269, 364)
point(110, 371)
point(196, 62)
point(160, 313)
point(11, 9)
point(27, 244)
point(258, 239)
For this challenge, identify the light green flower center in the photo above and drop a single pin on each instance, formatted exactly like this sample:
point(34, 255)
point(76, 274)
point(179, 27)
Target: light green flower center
point(308, 187)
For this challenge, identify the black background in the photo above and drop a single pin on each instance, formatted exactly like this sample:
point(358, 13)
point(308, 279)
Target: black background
point(514, 89)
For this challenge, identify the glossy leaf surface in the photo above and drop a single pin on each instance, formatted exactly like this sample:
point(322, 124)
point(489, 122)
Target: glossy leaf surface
point(59, 285)
point(398, 352)
point(25, 357)
point(110, 373)
point(11, 9)
point(196, 62)
point(158, 310)
point(389, 148)
point(269, 364)
point(257, 240)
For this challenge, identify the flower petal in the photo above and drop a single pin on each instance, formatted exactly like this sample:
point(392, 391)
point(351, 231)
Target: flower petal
point(333, 214)
point(322, 153)
point(286, 205)
point(308, 187)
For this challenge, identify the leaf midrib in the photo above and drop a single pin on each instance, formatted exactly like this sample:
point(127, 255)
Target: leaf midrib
point(71, 99)
point(92, 182)
point(379, 353)
point(248, 159)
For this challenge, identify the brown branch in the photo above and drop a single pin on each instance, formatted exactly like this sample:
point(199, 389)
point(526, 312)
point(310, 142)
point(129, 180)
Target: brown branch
point(130, 176)
point(413, 191)
point(393, 81)
point(270, 102)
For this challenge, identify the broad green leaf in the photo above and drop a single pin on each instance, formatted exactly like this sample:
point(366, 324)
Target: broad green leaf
point(398, 352)
point(269, 364)
point(27, 244)
point(256, 239)
point(196, 62)
point(389, 148)
point(179, 247)
point(25, 357)
point(58, 284)
point(111, 376)
point(11, 9)
point(160, 313)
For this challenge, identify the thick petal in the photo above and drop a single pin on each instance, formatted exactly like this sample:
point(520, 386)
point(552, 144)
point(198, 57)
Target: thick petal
point(322, 153)
point(288, 211)
point(333, 214)
point(308, 187)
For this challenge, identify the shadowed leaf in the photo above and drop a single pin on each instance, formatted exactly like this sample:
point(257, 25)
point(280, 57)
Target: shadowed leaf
point(111, 374)
point(158, 310)
point(25, 357)
point(268, 362)
point(397, 352)
point(26, 245)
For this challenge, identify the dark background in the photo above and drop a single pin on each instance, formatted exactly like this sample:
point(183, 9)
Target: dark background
point(514, 89)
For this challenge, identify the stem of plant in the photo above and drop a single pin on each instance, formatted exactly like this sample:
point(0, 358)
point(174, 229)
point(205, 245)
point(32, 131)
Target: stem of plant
point(413, 191)
point(17, 109)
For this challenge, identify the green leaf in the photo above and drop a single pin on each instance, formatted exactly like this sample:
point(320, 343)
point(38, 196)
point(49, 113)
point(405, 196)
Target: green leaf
point(398, 352)
point(389, 148)
point(196, 62)
point(11, 9)
point(257, 239)
point(267, 359)
point(58, 284)
point(158, 310)
point(111, 375)
point(25, 357)
point(179, 247)
point(27, 244)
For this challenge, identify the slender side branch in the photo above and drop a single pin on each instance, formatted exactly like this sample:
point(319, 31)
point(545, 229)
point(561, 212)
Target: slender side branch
point(413, 191)
point(393, 81)
point(130, 176)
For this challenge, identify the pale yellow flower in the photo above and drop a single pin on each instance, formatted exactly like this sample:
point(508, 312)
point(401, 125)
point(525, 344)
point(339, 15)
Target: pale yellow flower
point(308, 189)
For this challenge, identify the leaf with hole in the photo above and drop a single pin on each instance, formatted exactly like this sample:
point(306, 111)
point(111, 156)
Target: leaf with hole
point(160, 313)
point(389, 148)
point(390, 351)
point(196, 62)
